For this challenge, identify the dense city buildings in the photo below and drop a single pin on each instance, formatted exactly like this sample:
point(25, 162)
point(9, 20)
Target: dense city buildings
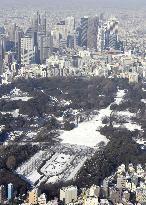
point(85, 46)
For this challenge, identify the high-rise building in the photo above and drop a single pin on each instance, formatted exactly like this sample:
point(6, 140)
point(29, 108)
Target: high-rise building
point(10, 191)
point(43, 25)
point(70, 24)
point(1, 55)
point(11, 32)
point(68, 194)
point(92, 32)
point(36, 21)
point(18, 35)
point(27, 51)
point(2, 194)
point(84, 31)
point(71, 40)
point(43, 47)
point(101, 38)
point(111, 34)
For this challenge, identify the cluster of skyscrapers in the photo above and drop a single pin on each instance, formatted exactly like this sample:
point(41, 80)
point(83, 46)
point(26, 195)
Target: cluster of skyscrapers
point(34, 45)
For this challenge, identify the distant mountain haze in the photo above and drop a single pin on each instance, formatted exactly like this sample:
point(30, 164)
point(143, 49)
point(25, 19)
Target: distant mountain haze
point(76, 3)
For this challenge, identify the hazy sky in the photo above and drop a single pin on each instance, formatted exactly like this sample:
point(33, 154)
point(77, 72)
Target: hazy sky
point(76, 3)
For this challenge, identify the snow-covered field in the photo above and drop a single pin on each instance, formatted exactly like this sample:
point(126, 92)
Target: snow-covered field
point(87, 133)
point(34, 176)
point(57, 164)
point(29, 168)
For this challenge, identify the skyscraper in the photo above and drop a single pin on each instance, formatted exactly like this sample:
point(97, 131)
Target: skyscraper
point(27, 51)
point(43, 47)
point(92, 32)
point(84, 30)
point(1, 55)
point(36, 21)
point(18, 35)
point(70, 24)
point(10, 191)
point(111, 34)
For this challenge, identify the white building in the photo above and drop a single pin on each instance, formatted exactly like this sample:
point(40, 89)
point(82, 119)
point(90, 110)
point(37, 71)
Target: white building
point(68, 194)
point(91, 201)
point(94, 191)
point(42, 199)
point(27, 50)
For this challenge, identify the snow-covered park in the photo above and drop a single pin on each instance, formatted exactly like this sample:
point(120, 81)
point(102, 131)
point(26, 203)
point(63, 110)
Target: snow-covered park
point(87, 133)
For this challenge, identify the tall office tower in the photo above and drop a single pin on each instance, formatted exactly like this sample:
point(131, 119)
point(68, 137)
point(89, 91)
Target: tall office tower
point(50, 43)
point(70, 24)
point(101, 38)
point(111, 34)
point(43, 47)
point(11, 32)
point(29, 32)
point(78, 36)
point(55, 38)
point(84, 31)
point(2, 194)
point(92, 32)
point(27, 51)
point(36, 21)
point(43, 25)
point(71, 40)
point(10, 191)
point(18, 35)
point(1, 55)
point(39, 23)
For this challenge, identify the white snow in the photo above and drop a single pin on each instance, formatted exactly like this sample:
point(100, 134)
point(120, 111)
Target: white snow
point(141, 141)
point(143, 100)
point(2, 127)
point(14, 113)
point(125, 113)
point(33, 177)
point(75, 170)
point(87, 133)
point(53, 179)
point(29, 168)
point(143, 89)
point(25, 99)
point(120, 96)
point(31, 134)
point(56, 164)
point(53, 99)
point(65, 102)
point(129, 126)
point(132, 126)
